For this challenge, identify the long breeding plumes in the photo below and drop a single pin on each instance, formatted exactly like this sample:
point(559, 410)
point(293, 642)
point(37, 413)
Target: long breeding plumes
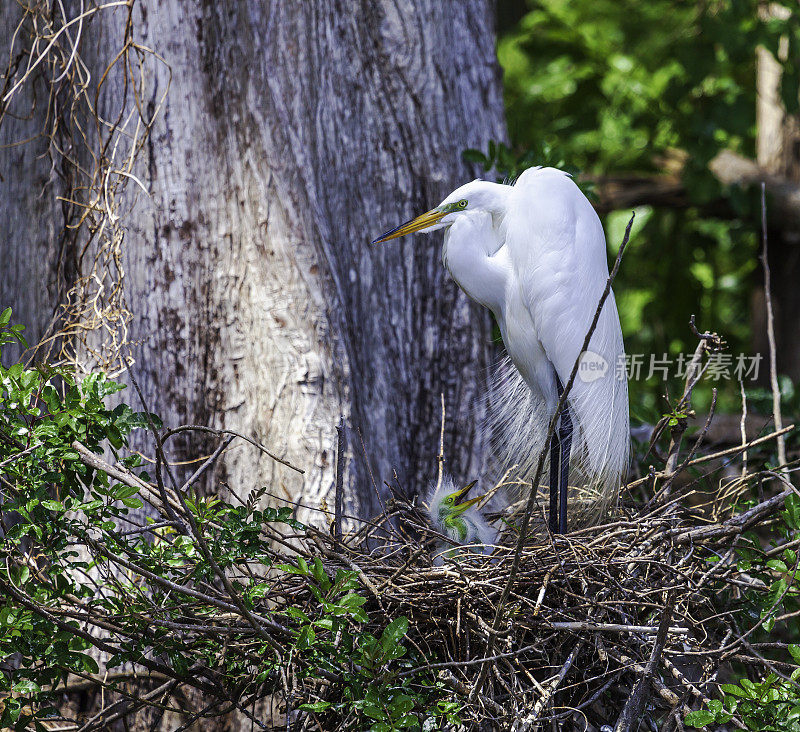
point(517, 419)
point(535, 254)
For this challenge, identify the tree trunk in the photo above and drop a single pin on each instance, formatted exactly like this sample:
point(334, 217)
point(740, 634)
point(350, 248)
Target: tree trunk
point(291, 135)
point(778, 148)
point(31, 216)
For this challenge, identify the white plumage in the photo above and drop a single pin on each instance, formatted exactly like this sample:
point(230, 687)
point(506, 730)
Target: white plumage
point(534, 253)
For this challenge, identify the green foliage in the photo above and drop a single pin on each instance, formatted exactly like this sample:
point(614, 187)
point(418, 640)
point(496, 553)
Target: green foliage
point(373, 693)
point(777, 570)
point(611, 84)
point(10, 333)
point(771, 705)
point(508, 164)
point(76, 576)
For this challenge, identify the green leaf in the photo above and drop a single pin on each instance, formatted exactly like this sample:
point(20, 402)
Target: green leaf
point(116, 660)
point(306, 638)
point(87, 663)
point(180, 663)
point(352, 600)
point(26, 686)
point(139, 420)
point(700, 718)
point(471, 155)
point(394, 632)
point(125, 491)
point(373, 712)
point(794, 649)
point(319, 574)
point(407, 721)
point(401, 705)
point(114, 436)
point(792, 504)
point(294, 612)
point(315, 707)
point(733, 690)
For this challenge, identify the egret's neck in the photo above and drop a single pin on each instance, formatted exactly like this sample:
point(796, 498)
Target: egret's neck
point(455, 526)
point(472, 254)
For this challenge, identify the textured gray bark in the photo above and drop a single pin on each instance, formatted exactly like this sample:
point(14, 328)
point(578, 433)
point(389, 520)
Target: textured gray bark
point(293, 133)
point(31, 217)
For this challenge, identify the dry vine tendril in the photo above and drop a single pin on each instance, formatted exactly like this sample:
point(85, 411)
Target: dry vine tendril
point(92, 154)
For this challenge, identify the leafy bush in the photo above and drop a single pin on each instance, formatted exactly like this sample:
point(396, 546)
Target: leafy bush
point(613, 83)
point(771, 705)
point(101, 569)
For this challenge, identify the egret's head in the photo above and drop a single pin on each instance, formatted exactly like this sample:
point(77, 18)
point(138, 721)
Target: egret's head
point(479, 195)
point(448, 500)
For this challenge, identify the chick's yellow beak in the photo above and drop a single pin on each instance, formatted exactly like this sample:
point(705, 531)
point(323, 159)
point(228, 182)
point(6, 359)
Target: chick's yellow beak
point(423, 221)
point(459, 508)
point(466, 489)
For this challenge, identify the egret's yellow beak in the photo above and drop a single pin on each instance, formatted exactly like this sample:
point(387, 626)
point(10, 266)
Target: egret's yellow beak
point(423, 221)
point(459, 508)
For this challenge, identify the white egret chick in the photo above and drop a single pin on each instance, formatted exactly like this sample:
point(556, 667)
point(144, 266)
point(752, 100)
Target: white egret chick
point(534, 253)
point(460, 522)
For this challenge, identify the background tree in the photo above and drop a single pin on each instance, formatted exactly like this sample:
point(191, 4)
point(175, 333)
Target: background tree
point(778, 154)
point(252, 299)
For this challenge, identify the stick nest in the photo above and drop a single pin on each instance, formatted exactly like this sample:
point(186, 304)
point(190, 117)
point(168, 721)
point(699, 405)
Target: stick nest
point(627, 612)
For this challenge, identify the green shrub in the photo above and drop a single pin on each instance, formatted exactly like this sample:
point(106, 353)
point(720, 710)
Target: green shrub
point(96, 567)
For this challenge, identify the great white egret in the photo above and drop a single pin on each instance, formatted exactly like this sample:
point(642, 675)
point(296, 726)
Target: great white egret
point(534, 253)
point(458, 520)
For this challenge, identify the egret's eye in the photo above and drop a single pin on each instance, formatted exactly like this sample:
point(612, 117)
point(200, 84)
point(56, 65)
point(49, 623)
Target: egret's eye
point(462, 203)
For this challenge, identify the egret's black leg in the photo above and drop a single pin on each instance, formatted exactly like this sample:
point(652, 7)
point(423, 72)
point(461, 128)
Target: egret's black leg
point(555, 462)
point(555, 469)
point(565, 441)
point(559, 467)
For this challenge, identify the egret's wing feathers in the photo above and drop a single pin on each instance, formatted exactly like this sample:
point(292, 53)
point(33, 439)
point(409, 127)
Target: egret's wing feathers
point(558, 253)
